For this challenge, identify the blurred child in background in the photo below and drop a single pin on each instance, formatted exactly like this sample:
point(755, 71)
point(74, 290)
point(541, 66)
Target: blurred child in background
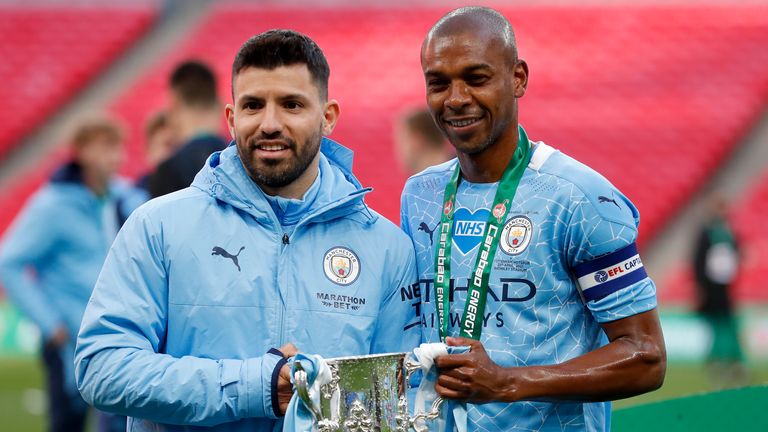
point(53, 252)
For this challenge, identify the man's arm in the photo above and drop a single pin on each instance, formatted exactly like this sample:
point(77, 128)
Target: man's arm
point(26, 245)
point(119, 363)
point(634, 362)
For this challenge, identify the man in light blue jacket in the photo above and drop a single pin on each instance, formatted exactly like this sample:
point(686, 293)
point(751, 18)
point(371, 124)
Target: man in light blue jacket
point(271, 246)
point(52, 255)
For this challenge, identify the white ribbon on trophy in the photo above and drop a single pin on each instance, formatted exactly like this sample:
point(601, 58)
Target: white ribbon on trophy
point(455, 413)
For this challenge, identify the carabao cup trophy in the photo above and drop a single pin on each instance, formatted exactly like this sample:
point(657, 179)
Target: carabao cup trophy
point(365, 393)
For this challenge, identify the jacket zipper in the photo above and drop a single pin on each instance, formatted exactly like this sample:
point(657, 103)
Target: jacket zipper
point(284, 242)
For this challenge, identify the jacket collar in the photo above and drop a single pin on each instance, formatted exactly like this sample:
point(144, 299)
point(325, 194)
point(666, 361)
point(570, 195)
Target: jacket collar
point(340, 194)
point(70, 172)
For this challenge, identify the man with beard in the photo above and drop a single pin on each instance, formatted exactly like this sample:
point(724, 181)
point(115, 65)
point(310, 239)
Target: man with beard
point(532, 263)
point(272, 245)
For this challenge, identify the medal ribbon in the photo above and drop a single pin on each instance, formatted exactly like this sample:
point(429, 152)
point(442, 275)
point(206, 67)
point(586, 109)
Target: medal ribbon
point(474, 306)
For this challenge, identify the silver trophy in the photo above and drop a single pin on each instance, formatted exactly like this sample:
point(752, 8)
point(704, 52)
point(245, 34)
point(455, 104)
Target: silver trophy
point(366, 393)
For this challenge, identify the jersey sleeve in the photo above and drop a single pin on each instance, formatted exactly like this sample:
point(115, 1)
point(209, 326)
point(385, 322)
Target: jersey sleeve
point(603, 257)
point(404, 212)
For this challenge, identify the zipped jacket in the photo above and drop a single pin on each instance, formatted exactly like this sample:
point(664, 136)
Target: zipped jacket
point(203, 284)
point(51, 255)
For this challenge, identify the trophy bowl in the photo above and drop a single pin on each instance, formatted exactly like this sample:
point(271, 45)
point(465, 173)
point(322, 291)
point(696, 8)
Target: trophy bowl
point(365, 393)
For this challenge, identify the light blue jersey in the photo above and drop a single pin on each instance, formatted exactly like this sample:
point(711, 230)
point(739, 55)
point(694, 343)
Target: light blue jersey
point(566, 262)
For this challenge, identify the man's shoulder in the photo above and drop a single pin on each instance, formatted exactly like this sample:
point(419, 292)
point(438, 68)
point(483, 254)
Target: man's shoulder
point(195, 149)
point(547, 160)
point(382, 234)
point(385, 226)
point(60, 194)
point(578, 184)
point(174, 204)
point(432, 179)
point(203, 144)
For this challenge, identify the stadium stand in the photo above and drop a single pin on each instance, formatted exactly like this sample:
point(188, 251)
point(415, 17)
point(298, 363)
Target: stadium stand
point(748, 218)
point(51, 53)
point(749, 221)
point(652, 97)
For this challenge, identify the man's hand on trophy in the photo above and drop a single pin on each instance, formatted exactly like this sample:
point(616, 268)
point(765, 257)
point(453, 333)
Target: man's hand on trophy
point(284, 387)
point(288, 350)
point(471, 376)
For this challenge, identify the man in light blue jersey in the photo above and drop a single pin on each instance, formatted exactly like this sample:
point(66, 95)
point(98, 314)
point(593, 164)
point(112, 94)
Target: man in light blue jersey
point(271, 246)
point(523, 253)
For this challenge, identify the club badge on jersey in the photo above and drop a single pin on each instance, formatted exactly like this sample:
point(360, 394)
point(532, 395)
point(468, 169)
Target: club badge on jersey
point(474, 307)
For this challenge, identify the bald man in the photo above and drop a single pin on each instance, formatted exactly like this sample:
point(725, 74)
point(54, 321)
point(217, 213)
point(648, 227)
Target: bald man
point(524, 254)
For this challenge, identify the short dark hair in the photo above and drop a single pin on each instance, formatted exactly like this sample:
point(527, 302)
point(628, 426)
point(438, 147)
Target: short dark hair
point(195, 84)
point(155, 123)
point(275, 48)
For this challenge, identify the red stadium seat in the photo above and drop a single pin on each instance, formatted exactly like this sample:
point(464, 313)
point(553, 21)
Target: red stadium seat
point(50, 53)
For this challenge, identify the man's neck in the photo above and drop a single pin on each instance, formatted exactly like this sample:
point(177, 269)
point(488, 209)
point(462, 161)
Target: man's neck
point(488, 166)
point(96, 183)
point(198, 122)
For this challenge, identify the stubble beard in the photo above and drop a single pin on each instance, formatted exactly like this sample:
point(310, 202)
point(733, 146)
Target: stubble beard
point(281, 173)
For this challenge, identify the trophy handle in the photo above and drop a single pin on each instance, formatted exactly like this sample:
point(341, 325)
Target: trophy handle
point(411, 366)
point(300, 379)
point(302, 388)
point(433, 413)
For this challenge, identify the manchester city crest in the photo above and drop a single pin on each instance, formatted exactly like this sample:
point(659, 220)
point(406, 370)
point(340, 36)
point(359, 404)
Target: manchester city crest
point(341, 266)
point(516, 235)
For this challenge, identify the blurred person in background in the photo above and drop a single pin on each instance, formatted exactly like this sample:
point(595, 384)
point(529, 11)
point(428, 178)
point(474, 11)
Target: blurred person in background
point(160, 144)
point(419, 144)
point(52, 254)
point(194, 115)
point(716, 261)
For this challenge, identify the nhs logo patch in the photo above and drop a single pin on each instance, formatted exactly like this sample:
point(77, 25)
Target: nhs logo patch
point(468, 228)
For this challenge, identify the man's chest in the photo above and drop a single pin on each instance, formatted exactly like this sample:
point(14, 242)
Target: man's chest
point(529, 240)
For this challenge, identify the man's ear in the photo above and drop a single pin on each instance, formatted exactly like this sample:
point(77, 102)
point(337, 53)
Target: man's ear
point(521, 78)
point(330, 116)
point(229, 112)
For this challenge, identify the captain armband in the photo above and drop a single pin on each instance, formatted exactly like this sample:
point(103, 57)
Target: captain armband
point(610, 273)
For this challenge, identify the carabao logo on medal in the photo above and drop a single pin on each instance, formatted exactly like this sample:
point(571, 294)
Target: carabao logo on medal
point(468, 228)
point(448, 206)
point(341, 266)
point(516, 235)
point(499, 210)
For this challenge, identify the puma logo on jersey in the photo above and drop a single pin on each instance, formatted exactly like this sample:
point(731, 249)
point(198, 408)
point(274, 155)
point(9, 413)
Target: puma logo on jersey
point(424, 227)
point(604, 199)
point(221, 252)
